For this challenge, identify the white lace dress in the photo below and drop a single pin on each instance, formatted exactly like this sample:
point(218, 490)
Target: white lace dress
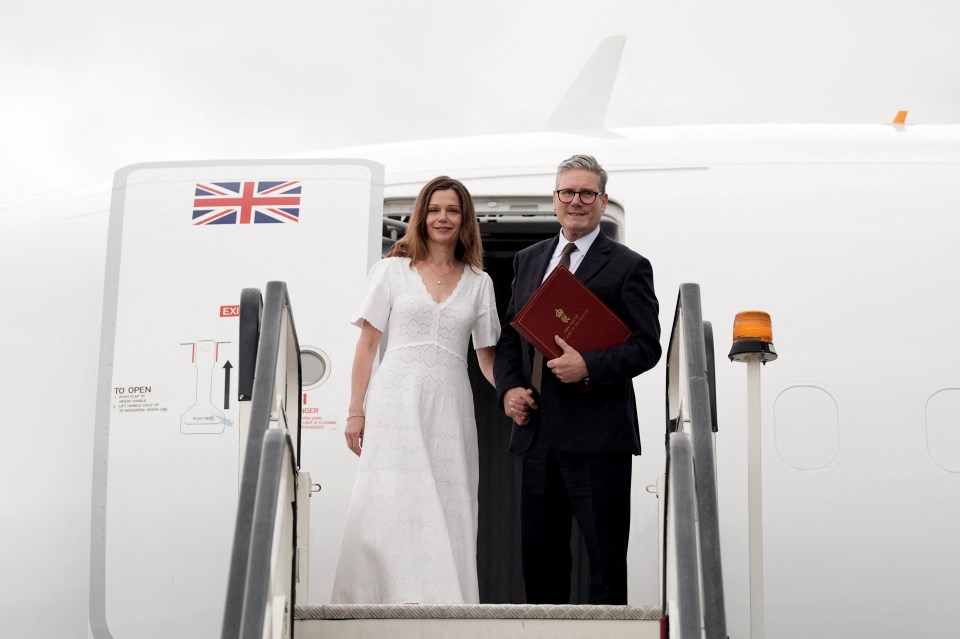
point(411, 530)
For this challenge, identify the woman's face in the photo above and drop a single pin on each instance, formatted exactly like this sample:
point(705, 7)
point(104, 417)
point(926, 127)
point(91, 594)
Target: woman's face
point(444, 217)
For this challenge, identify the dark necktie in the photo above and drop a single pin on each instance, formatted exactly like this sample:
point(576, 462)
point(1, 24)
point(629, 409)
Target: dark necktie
point(537, 376)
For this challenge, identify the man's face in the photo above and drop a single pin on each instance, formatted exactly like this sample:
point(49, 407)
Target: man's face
point(576, 218)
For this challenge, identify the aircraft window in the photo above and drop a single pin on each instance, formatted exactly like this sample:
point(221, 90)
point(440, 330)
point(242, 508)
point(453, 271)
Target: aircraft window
point(807, 427)
point(942, 417)
point(314, 366)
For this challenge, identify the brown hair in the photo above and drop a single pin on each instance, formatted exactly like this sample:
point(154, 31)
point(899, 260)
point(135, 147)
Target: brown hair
point(414, 242)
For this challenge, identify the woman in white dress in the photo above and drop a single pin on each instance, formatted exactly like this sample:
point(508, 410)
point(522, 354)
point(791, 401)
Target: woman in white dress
point(411, 531)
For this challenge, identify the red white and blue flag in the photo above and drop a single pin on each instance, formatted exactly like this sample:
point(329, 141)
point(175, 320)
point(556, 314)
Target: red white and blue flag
point(264, 202)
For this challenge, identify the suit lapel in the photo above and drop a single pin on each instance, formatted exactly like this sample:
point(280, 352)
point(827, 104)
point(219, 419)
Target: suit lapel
point(538, 268)
point(596, 258)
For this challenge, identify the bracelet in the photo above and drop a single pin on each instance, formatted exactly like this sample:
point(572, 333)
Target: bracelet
point(356, 415)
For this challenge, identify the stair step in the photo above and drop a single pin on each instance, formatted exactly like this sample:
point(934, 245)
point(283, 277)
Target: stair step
point(483, 621)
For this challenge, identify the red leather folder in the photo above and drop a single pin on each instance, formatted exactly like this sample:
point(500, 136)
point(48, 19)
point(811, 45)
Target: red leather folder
point(564, 306)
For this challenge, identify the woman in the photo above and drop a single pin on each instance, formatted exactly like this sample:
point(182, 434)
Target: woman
point(411, 528)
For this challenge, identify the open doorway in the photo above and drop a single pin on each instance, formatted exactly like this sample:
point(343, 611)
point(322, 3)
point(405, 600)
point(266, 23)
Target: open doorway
point(507, 225)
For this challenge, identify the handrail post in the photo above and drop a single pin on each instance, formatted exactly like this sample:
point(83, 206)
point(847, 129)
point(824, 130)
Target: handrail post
point(753, 344)
point(755, 499)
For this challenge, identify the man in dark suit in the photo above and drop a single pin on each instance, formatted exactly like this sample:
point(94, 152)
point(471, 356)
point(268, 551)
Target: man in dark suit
point(575, 435)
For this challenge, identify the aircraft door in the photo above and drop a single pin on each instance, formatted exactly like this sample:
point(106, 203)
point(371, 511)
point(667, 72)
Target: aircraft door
point(185, 239)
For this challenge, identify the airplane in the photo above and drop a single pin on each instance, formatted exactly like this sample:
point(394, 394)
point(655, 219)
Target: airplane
point(843, 233)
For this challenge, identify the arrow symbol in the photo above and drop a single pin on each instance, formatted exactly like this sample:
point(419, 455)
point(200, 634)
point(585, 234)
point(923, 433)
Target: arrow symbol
point(226, 384)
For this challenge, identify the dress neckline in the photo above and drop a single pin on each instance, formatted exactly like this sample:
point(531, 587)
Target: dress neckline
point(423, 286)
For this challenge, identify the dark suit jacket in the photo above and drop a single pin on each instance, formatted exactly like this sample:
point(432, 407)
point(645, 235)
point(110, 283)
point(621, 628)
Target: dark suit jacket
point(600, 417)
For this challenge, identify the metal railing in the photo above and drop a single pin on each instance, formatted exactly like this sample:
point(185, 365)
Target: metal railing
point(693, 578)
point(261, 586)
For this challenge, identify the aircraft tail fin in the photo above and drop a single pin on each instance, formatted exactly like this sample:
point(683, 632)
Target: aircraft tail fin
point(900, 119)
point(584, 105)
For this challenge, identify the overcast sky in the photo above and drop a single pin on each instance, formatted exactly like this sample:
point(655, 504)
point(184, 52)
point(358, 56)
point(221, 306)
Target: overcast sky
point(88, 87)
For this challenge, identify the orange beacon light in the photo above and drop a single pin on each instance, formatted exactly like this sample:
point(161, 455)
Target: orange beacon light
point(752, 337)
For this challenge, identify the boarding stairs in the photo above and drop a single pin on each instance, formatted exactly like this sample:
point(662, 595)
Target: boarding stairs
point(267, 582)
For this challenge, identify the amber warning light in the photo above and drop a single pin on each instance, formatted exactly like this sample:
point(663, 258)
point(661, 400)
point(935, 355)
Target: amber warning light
point(752, 337)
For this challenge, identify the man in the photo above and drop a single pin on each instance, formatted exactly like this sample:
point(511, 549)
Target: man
point(575, 436)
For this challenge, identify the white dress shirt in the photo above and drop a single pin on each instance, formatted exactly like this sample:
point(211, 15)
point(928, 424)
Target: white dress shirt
point(583, 245)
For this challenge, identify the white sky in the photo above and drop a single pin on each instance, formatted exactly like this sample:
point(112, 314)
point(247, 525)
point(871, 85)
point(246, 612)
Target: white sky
point(88, 87)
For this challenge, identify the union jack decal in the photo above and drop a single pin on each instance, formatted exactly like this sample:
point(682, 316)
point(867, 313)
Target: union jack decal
point(246, 202)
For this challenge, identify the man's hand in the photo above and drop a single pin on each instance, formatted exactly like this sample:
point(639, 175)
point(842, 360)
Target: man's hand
point(569, 367)
point(517, 404)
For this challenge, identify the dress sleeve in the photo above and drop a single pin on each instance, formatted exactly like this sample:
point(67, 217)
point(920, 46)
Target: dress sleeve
point(486, 329)
point(377, 299)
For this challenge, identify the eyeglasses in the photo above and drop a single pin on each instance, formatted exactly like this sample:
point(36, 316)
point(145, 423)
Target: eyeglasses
point(566, 196)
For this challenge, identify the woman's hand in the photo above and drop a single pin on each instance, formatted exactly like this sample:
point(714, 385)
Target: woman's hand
point(517, 404)
point(354, 432)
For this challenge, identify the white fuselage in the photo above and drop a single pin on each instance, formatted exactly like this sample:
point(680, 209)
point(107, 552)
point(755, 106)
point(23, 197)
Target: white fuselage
point(846, 235)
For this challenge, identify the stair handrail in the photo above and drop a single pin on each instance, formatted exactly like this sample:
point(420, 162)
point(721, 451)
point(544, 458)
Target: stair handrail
point(274, 413)
point(691, 415)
